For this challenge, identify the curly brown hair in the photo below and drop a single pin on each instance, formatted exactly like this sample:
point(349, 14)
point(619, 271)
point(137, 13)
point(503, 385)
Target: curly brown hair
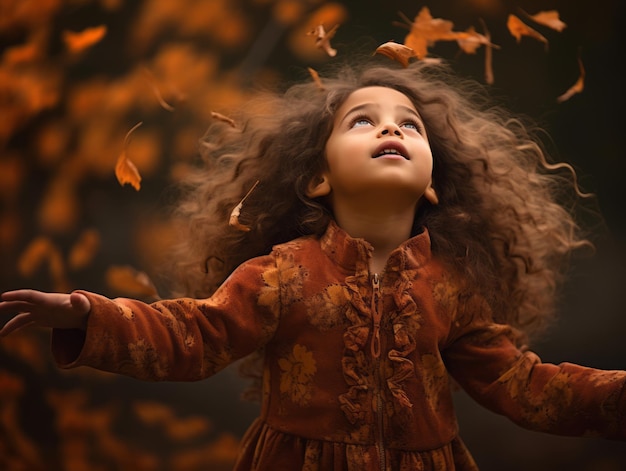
point(501, 223)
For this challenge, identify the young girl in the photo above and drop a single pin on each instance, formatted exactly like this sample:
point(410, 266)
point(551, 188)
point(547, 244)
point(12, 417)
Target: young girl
point(401, 237)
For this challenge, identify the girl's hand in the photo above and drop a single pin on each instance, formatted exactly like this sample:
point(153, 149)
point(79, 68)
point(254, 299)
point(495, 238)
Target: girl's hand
point(56, 310)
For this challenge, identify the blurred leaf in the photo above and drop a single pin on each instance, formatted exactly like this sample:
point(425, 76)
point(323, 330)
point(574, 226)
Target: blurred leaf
point(578, 86)
point(223, 118)
point(470, 40)
point(323, 37)
point(550, 19)
point(36, 253)
point(518, 28)
point(130, 282)
point(84, 250)
point(79, 41)
point(177, 428)
point(316, 78)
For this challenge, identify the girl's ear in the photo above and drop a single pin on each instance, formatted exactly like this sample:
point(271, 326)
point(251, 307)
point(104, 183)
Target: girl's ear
point(431, 195)
point(319, 186)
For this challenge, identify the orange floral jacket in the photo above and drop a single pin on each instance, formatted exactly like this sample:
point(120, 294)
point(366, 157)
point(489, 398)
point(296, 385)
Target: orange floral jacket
point(356, 365)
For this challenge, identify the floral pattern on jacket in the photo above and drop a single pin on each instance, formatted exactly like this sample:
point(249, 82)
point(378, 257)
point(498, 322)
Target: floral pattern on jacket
point(342, 391)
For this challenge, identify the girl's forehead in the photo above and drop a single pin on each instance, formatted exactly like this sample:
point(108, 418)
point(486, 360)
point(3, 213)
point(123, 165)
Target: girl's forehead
point(374, 95)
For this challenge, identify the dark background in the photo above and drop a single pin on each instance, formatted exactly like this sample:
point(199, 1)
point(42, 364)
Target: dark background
point(73, 420)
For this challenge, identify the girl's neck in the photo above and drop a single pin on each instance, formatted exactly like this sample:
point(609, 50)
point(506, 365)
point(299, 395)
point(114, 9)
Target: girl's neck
point(385, 230)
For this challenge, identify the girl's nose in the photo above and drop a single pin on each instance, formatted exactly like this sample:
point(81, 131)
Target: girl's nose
point(391, 129)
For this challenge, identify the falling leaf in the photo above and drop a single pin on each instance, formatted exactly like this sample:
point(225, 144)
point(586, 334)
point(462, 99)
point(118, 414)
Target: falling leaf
point(397, 52)
point(221, 117)
point(177, 428)
point(234, 215)
point(22, 53)
point(39, 251)
point(84, 250)
point(550, 19)
point(426, 30)
point(59, 210)
point(152, 82)
point(470, 40)
point(489, 76)
point(577, 87)
point(79, 41)
point(131, 282)
point(125, 169)
point(323, 37)
point(34, 255)
point(316, 78)
point(518, 28)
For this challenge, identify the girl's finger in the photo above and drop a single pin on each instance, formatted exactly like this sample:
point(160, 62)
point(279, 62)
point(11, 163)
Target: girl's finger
point(29, 295)
point(18, 322)
point(15, 307)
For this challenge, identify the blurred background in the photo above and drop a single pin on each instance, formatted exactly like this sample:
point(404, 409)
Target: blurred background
point(76, 76)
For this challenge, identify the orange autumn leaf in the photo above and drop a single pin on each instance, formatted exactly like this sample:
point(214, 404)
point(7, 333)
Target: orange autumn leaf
point(578, 86)
point(129, 281)
point(223, 118)
point(426, 30)
point(155, 89)
point(397, 52)
point(81, 40)
point(550, 19)
point(36, 253)
point(177, 428)
point(323, 37)
point(84, 250)
point(39, 251)
point(125, 169)
point(316, 78)
point(489, 76)
point(470, 40)
point(518, 28)
point(22, 53)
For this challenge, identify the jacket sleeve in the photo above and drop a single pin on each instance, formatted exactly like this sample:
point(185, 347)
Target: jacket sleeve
point(180, 339)
point(564, 399)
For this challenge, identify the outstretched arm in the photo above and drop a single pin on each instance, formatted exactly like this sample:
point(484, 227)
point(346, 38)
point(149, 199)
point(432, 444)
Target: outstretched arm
point(55, 310)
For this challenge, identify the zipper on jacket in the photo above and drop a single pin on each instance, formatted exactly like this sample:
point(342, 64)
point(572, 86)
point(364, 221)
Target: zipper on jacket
point(375, 349)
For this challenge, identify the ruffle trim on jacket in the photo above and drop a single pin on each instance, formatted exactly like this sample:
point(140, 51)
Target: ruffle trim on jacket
point(353, 255)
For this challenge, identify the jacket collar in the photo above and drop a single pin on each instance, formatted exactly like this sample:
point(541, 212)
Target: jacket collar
point(353, 254)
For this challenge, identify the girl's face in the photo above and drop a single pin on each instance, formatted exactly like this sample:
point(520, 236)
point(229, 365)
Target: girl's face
point(378, 142)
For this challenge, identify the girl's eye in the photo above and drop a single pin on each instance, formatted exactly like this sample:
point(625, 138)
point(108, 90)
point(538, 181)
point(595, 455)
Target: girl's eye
point(360, 121)
point(412, 125)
